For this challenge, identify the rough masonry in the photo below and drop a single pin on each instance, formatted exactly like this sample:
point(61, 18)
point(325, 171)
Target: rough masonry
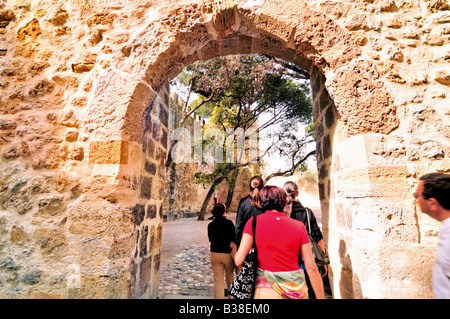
point(84, 128)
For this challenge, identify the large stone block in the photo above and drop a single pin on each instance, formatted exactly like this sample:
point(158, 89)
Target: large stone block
point(146, 187)
point(108, 152)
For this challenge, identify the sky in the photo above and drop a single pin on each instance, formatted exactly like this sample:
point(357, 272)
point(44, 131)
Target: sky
point(273, 161)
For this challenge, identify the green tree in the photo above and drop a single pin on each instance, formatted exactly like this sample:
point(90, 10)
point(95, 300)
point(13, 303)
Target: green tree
point(237, 92)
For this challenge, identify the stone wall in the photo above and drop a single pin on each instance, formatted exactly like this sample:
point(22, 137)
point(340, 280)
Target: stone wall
point(366, 180)
point(83, 133)
point(183, 194)
point(151, 190)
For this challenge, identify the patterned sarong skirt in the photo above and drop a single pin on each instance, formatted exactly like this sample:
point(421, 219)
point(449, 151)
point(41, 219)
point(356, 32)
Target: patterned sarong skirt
point(281, 285)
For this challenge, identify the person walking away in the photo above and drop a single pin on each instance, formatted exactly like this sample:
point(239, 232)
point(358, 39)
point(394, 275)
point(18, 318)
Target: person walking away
point(278, 242)
point(248, 206)
point(433, 197)
point(221, 234)
point(297, 211)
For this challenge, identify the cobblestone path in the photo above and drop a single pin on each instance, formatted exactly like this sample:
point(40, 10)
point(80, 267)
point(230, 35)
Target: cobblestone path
point(185, 264)
point(189, 273)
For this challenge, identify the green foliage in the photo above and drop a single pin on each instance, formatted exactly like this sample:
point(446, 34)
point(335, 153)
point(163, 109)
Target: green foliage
point(239, 90)
point(282, 93)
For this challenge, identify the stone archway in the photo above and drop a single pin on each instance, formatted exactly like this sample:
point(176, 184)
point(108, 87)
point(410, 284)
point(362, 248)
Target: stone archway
point(322, 47)
point(111, 224)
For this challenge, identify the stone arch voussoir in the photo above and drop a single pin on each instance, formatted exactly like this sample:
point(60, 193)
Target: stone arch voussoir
point(304, 37)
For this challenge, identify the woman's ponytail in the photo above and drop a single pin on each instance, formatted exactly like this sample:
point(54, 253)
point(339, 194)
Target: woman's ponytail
point(256, 184)
point(291, 190)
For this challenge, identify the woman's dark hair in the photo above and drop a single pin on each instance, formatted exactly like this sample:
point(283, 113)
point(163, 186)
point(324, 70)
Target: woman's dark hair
point(219, 209)
point(437, 185)
point(291, 190)
point(272, 198)
point(256, 184)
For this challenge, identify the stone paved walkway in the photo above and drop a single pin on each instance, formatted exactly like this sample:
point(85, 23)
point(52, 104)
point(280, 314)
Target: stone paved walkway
point(185, 264)
point(189, 273)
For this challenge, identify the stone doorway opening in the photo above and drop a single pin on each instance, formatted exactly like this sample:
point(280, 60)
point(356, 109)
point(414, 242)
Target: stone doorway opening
point(325, 119)
point(184, 196)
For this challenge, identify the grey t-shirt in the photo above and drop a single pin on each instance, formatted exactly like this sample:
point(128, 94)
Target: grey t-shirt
point(441, 267)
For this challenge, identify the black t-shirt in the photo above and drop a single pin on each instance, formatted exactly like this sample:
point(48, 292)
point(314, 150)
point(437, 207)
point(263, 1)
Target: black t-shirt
point(220, 233)
point(244, 212)
point(299, 213)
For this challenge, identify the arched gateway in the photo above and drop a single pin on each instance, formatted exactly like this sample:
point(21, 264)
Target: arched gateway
point(89, 218)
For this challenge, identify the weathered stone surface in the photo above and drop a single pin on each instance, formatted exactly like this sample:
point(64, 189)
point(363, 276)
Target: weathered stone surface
point(71, 136)
point(146, 187)
point(51, 241)
point(108, 152)
point(9, 263)
point(31, 278)
point(442, 76)
point(151, 211)
point(438, 5)
point(82, 67)
point(30, 31)
point(364, 21)
point(51, 205)
point(76, 153)
point(85, 122)
point(18, 235)
point(363, 97)
point(5, 17)
point(138, 214)
point(431, 149)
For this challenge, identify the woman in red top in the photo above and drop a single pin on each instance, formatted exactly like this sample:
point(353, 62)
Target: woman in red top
point(278, 241)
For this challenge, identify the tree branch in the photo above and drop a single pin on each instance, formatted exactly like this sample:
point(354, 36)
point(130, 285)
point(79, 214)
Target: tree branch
point(186, 115)
point(186, 103)
point(299, 73)
point(290, 171)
